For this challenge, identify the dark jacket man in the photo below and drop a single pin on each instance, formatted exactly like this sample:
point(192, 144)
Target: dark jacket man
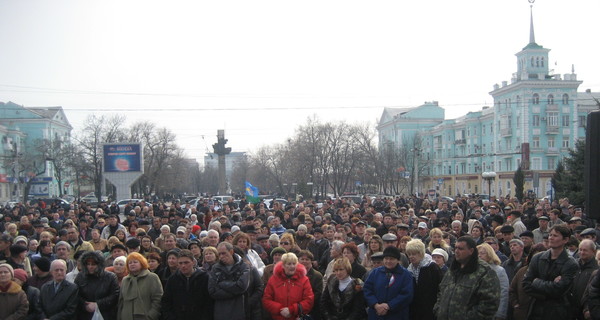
point(187, 297)
point(228, 284)
point(549, 276)
point(59, 298)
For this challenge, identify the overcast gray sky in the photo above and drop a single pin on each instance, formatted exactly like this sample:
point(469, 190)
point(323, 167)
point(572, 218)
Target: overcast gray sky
point(258, 69)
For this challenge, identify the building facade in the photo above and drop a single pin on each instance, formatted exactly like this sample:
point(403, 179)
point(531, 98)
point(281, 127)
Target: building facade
point(21, 128)
point(534, 121)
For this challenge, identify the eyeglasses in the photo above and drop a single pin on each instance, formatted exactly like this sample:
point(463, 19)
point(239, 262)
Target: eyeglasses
point(285, 243)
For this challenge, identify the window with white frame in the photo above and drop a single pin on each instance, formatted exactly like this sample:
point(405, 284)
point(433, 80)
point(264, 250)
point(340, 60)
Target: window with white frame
point(535, 142)
point(551, 164)
point(565, 120)
point(550, 142)
point(536, 163)
point(565, 142)
point(552, 119)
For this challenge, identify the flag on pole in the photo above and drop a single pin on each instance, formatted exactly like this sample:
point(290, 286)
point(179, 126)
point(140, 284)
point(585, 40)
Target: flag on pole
point(252, 193)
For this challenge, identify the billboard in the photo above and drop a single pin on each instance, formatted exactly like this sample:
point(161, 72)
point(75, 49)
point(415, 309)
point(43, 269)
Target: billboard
point(125, 157)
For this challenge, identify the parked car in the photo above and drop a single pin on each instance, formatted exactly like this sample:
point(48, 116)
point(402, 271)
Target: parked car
point(222, 199)
point(49, 201)
point(268, 202)
point(123, 203)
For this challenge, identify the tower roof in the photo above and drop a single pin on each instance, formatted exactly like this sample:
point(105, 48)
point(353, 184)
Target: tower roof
point(532, 44)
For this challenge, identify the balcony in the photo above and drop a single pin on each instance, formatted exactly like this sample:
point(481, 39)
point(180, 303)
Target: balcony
point(552, 151)
point(460, 141)
point(551, 129)
point(506, 132)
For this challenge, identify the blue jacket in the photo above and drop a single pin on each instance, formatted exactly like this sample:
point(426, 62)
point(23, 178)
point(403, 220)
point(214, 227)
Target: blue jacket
point(396, 292)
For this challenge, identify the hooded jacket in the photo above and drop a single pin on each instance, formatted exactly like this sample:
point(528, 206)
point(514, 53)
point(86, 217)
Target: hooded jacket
point(284, 291)
point(101, 287)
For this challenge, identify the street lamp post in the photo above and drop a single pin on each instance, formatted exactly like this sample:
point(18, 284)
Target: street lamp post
point(489, 177)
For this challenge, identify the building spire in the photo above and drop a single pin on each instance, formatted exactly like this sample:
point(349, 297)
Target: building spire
point(531, 32)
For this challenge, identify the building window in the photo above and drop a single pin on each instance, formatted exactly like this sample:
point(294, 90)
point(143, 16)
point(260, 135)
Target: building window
point(536, 142)
point(551, 164)
point(565, 143)
point(552, 119)
point(536, 98)
point(582, 121)
point(536, 164)
point(535, 120)
point(565, 120)
point(550, 99)
point(565, 99)
point(518, 101)
point(550, 142)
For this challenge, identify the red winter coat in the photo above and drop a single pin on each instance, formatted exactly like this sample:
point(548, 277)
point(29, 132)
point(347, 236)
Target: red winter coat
point(283, 291)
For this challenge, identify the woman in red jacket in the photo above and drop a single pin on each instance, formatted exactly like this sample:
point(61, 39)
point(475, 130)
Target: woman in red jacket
point(288, 288)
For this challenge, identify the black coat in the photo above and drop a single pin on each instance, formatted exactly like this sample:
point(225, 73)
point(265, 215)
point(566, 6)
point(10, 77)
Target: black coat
point(316, 283)
point(61, 305)
point(187, 298)
point(33, 296)
point(426, 291)
point(101, 287)
point(358, 271)
point(348, 304)
point(551, 297)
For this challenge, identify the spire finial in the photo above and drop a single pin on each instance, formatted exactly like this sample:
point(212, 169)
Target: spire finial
point(531, 32)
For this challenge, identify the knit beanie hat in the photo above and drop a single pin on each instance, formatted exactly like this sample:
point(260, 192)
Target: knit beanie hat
point(43, 264)
point(20, 274)
point(10, 269)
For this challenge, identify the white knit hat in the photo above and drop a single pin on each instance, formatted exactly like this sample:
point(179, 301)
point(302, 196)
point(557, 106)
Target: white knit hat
point(441, 252)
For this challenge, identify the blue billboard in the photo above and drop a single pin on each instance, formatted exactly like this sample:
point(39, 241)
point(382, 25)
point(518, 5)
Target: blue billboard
point(122, 157)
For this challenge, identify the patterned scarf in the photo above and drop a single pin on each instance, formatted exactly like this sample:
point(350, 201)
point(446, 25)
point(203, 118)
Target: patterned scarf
point(427, 260)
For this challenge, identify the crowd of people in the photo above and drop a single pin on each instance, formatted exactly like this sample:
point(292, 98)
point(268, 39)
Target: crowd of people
point(382, 258)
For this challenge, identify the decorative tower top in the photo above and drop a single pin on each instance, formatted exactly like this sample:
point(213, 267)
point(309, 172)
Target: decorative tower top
point(533, 59)
point(531, 32)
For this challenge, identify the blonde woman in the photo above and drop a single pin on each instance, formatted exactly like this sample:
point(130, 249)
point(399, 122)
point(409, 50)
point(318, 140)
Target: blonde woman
point(288, 291)
point(436, 236)
point(487, 254)
point(427, 278)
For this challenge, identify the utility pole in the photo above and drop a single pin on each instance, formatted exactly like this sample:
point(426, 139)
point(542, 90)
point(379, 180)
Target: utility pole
point(16, 168)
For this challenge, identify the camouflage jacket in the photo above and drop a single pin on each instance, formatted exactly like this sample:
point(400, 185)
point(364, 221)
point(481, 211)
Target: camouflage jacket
point(466, 296)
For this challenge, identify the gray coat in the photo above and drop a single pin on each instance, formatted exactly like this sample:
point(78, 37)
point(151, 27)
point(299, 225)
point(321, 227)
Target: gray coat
point(229, 287)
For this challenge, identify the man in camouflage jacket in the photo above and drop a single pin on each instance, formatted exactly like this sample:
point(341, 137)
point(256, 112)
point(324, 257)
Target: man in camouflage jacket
point(471, 289)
